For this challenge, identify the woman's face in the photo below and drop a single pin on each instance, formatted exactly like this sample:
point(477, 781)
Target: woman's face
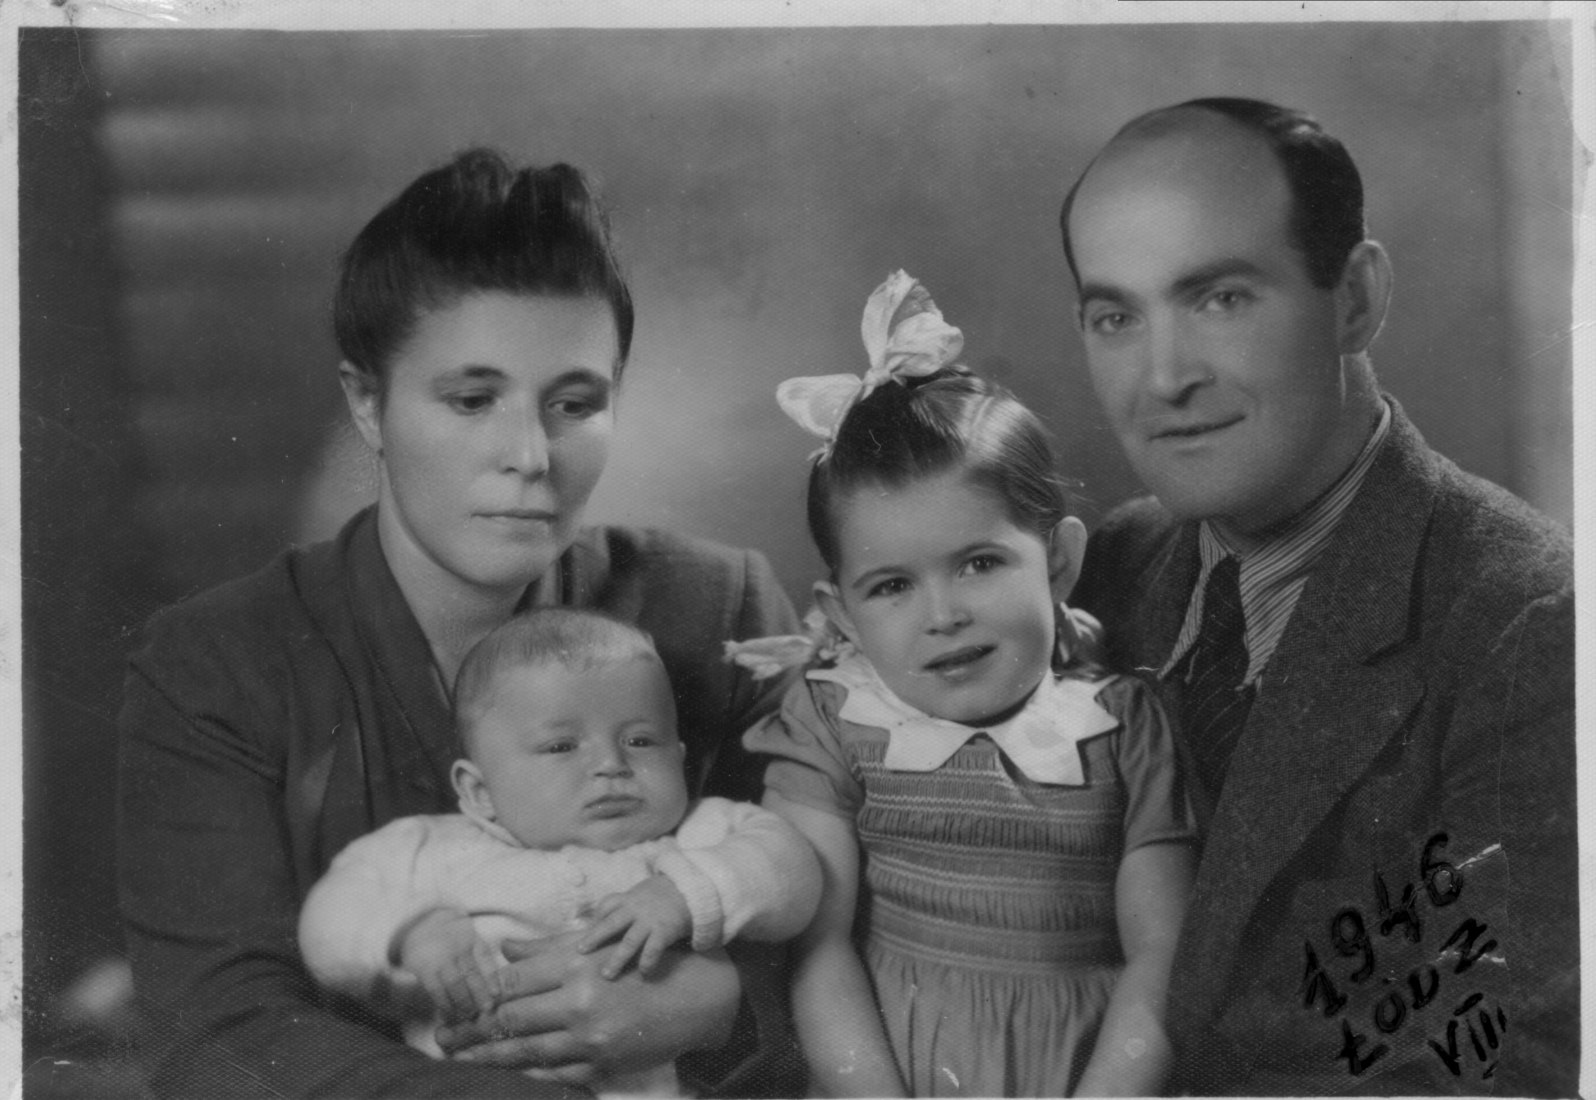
point(492, 428)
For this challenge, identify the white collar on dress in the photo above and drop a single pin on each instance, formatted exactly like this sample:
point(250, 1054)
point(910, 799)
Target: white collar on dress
point(1043, 739)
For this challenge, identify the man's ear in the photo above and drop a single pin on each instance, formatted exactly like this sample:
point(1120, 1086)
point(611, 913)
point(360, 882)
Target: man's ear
point(1362, 296)
point(363, 395)
point(1066, 548)
point(829, 600)
point(473, 792)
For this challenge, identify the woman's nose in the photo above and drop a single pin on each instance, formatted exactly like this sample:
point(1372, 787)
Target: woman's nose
point(523, 443)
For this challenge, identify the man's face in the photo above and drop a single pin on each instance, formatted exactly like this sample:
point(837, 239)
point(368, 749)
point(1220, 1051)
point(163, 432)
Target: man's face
point(1215, 357)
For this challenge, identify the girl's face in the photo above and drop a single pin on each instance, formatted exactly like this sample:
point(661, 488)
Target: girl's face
point(949, 600)
point(493, 426)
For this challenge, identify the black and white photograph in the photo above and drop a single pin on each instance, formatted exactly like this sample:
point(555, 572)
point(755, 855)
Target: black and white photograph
point(1031, 544)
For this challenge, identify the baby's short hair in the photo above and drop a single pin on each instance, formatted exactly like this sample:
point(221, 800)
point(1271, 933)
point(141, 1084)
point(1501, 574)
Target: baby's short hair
point(544, 636)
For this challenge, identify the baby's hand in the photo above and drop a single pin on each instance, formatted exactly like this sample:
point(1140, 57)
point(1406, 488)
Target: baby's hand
point(653, 915)
point(453, 963)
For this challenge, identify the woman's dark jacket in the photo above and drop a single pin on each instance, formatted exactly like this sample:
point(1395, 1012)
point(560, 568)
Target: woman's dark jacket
point(270, 721)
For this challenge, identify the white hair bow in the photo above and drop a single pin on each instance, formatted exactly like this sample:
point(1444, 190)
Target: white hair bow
point(905, 337)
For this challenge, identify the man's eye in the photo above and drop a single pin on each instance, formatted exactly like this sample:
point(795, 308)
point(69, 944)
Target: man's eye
point(1224, 301)
point(1108, 322)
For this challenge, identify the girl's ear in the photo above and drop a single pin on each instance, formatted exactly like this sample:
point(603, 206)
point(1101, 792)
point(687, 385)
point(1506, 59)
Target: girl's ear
point(473, 792)
point(1066, 548)
point(364, 397)
point(829, 600)
point(1361, 297)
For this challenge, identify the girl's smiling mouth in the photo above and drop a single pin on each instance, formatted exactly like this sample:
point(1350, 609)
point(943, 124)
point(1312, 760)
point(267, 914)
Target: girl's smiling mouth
point(959, 661)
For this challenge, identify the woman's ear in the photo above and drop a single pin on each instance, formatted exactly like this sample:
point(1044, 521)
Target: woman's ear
point(1362, 296)
point(829, 600)
point(363, 394)
point(1066, 548)
point(473, 792)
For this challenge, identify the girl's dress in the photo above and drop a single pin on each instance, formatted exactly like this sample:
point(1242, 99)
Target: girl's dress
point(986, 911)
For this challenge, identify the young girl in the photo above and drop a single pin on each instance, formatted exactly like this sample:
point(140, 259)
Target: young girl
point(1003, 832)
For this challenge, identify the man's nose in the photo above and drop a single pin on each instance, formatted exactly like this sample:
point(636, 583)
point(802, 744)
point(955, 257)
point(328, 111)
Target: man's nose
point(523, 441)
point(1174, 366)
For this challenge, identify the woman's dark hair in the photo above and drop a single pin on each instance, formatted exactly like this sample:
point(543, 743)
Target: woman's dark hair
point(950, 420)
point(1326, 190)
point(476, 224)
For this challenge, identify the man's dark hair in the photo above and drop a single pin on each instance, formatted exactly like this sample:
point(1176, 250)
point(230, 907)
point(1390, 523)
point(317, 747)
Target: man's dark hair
point(1326, 191)
point(476, 224)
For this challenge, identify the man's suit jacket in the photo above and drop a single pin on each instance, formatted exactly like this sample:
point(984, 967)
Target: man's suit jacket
point(1424, 686)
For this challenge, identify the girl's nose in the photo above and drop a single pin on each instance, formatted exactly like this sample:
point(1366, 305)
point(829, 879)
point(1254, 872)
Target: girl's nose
point(945, 612)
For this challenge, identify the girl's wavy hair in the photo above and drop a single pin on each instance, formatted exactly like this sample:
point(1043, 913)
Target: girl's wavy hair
point(475, 224)
point(922, 427)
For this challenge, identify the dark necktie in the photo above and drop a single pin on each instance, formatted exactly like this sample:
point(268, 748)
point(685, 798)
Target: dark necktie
point(1214, 705)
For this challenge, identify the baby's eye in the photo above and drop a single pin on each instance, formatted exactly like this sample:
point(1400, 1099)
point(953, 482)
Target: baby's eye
point(892, 586)
point(557, 747)
point(642, 740)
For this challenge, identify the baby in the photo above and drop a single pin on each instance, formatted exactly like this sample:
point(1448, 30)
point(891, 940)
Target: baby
point(573, 813)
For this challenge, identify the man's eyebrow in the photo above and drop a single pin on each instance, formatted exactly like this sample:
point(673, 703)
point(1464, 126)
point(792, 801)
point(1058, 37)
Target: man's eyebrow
point(1211, 273)
point(1101, 292)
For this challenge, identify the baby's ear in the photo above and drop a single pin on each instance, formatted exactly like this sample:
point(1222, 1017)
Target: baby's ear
point(829, 600)
point(1066, 549)
point(473, 792)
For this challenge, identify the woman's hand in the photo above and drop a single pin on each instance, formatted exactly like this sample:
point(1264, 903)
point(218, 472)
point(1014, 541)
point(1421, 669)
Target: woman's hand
point(557, 1012)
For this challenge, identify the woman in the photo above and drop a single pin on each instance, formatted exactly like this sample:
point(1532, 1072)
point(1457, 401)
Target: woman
point(484, 326)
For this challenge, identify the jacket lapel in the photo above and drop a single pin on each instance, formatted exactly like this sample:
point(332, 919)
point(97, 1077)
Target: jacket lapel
point(1337, 688)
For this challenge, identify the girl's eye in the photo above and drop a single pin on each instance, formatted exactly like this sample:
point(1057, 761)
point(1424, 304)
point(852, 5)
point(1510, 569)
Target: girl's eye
point(892, 586)
point(983, 563)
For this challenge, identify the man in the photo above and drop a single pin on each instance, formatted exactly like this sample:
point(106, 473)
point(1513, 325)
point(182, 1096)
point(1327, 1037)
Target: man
point(1370, 653)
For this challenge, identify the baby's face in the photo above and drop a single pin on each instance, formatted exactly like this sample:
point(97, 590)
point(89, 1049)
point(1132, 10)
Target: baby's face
point(584, 756)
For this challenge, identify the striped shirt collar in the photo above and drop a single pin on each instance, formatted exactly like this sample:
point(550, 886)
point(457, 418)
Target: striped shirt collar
point(1273, 575)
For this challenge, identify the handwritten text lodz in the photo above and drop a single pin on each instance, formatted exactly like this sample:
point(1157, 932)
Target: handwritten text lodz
point(1468, 940)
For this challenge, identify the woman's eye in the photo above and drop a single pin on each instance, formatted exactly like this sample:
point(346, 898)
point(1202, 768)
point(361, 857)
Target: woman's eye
point(576, 406)
point(469, 402)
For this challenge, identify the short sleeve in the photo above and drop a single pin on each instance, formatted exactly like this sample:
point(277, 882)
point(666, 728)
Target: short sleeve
point(802, 746)
point(1158, 808)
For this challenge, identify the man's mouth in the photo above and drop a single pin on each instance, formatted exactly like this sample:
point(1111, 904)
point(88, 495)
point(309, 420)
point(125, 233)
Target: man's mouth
point(1196, 428)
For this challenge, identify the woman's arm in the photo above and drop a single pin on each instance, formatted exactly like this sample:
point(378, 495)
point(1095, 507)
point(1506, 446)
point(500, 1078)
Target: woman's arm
point(558, 1012)
point(210, 903)
point(834, 1007)
point(1133, 1055)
